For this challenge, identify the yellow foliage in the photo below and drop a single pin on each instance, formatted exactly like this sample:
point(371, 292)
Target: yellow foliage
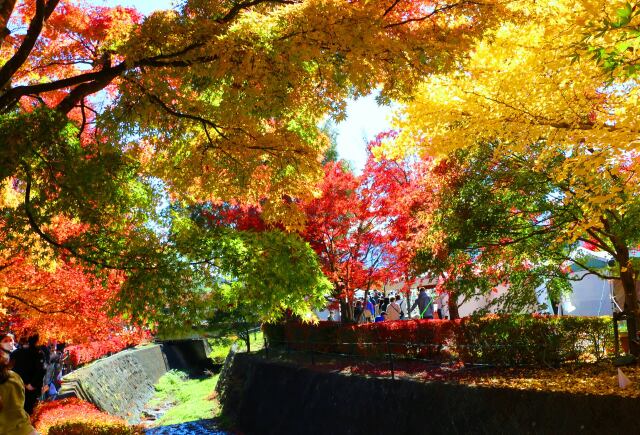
point(520, 85)
point(271, 74)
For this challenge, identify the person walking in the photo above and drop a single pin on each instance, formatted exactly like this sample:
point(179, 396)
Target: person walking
point(14, 420)
point(393, 310)
point(425, 308)
point(28, 362)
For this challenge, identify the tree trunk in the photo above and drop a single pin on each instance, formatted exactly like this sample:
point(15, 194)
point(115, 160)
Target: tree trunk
point(627, 274)
point(453, 305)
point(346, 311)
point(408, 301)
point(631, 309)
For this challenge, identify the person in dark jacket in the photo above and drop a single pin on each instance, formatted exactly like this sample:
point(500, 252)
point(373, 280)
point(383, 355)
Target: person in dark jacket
point(28, 362)
point(425, 307)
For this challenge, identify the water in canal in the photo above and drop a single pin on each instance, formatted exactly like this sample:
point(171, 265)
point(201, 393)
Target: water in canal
point(190, 428)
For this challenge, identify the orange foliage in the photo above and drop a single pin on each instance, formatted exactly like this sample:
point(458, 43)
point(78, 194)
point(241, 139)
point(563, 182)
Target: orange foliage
point(60, 299)
point(49, 414)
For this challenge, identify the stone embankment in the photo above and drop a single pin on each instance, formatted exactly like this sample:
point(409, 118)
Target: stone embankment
point(263, 397)
point(123, 383)
point(120, 384)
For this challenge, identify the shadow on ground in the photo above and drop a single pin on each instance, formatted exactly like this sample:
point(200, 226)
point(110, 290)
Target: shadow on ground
point(207, 426)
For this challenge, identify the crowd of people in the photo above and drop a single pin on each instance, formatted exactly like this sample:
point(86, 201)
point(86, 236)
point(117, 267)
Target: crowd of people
point(28, 373)
point(379, 307)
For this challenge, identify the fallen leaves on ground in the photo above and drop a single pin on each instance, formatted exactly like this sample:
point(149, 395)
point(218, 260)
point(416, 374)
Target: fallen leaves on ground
point(597, 378)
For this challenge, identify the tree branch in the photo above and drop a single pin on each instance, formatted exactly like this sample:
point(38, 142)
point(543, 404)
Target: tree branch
point(20, 91)
point(390, 8)
point(239, 7)
point(47, 238)
point(431, 14)
point(43, 11)
point(39, 309)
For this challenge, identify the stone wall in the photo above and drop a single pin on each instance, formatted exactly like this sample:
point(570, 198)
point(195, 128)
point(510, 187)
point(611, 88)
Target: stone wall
point(188, 355)
point(120, 384)
point(262, 397)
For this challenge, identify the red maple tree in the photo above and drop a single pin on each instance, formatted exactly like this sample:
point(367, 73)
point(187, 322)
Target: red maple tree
point(361, 226)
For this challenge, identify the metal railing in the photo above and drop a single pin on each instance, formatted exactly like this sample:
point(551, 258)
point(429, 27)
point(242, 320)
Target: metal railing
point(387, 358)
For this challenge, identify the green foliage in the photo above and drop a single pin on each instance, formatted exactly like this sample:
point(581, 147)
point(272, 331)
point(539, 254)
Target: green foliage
point(168, 385)
point(220, 348)
point(613, 41)
point(214, 276)
point(495, 222)
point(539, 340)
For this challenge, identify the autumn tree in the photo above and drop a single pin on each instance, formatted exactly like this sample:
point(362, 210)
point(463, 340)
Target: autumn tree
point(61, 300)
point(498, 222)
point(522, 85)
point(360, 225)
point(104, 114)
point(396, 189)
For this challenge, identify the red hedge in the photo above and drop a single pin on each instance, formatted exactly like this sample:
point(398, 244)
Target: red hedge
point(501, 340)
point(71, 416)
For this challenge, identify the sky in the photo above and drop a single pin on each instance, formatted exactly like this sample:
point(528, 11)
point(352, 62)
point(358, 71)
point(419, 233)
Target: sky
point(365, 119)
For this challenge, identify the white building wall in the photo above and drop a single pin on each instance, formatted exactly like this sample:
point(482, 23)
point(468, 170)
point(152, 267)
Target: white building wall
point(591, 296)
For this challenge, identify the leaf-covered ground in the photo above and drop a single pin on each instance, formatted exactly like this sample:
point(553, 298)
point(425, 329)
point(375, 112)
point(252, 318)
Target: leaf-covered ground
point(601, 379)
point(598, 378)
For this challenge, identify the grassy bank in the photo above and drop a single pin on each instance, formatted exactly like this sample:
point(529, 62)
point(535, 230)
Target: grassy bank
point(188, 399)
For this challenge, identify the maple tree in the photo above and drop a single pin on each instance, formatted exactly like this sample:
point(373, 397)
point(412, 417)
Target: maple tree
point(360, 226)
point(496, 222)
point(104, 114)
point(396, 191)
point(345, 234)
point(59, 298)
point(66, 304)
point(522, 85)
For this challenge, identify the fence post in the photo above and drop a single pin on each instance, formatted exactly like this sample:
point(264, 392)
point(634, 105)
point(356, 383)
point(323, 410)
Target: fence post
point(393, 375)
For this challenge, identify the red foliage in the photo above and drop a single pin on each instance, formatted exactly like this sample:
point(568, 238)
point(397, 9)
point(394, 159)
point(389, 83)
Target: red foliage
point(415, 338)
point(84, 353)
point(362, 227)
point(494, 339)
point(48, 414)
point(74, 41)
point(61, 300)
